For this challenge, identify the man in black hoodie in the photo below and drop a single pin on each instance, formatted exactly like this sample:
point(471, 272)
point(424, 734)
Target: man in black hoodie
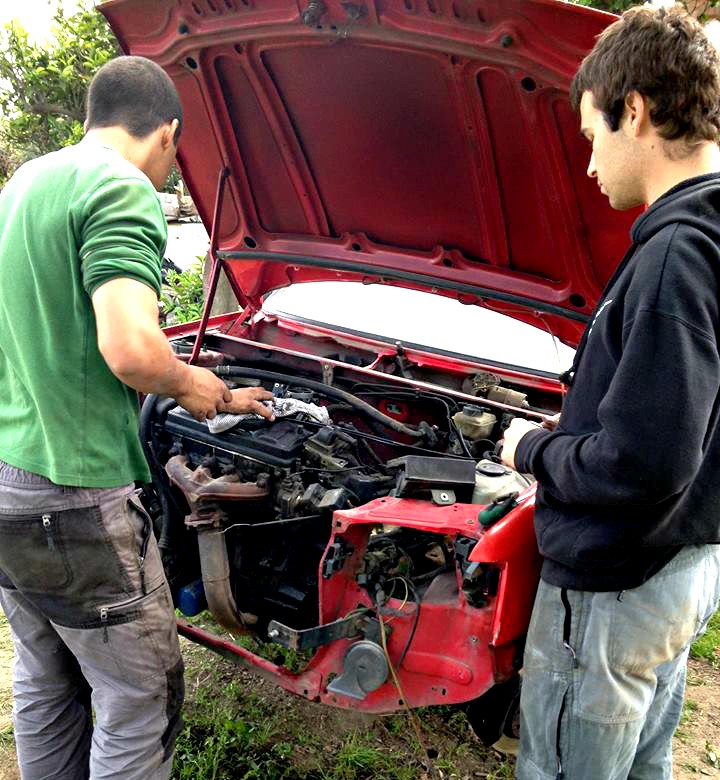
point(628, 503)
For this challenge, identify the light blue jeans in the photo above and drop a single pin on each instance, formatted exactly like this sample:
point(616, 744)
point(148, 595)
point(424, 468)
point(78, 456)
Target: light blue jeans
point(604, 673)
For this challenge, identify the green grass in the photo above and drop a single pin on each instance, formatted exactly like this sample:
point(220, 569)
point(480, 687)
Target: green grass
point(686, 719)
point(221, 741)
point(240, 729)
point(359, 759)
point(7, 737)
point(708, 646)
point(239, 736)
point(237, 728)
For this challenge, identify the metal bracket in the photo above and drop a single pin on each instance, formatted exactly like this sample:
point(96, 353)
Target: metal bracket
point(335, 559)
point(328, 374)
point(310, 638)
point(443, 497)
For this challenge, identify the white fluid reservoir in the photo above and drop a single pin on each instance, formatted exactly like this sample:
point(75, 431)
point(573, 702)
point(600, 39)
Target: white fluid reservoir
point(493, 480)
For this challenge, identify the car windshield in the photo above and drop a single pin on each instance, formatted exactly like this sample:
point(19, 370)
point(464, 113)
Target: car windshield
point(423, 319)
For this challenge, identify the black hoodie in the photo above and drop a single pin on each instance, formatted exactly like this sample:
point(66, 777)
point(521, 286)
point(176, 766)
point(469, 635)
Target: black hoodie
point(632, 472)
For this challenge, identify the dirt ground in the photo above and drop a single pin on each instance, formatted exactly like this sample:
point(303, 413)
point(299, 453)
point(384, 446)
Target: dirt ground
point(696, 745)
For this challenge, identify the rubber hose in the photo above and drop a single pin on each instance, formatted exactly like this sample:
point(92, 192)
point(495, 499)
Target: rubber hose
point(333, 392)
point(160, 406)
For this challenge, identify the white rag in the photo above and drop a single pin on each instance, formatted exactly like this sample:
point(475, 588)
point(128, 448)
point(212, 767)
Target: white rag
point(281, 407)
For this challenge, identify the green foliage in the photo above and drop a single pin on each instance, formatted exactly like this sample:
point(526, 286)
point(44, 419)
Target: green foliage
point(218, 742)
point(698, 8)
point(242, 736)
point(173, 180)
point(42, 87)
point(708, 646)
point(358, 759)
point(182, 295)
point(613, 6)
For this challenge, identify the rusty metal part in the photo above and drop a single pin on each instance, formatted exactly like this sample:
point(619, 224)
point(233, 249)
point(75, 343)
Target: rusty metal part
point(216, 582)
point(200, 487)
point(202, 492)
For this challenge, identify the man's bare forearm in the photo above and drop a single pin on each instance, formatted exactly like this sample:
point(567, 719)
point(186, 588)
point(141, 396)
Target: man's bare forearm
point(147, 363)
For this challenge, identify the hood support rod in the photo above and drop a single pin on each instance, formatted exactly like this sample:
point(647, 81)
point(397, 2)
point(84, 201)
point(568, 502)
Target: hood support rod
point(216, 265)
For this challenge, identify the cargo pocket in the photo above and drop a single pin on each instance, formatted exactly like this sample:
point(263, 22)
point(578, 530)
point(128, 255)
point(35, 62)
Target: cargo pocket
point(32, 553)
point(652, 624)
point(64, 562)
point(139, 634)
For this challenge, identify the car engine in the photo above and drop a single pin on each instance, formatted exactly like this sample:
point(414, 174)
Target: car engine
point(246, 512)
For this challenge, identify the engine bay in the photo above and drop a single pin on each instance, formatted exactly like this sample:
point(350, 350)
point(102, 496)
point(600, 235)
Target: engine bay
point(336, 449)
point(281, 529)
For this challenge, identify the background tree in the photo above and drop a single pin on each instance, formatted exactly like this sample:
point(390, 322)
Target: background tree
point(701, 9)
point(42, 87)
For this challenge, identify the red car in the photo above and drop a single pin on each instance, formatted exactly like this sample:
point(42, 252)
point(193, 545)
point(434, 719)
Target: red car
point(418, 144)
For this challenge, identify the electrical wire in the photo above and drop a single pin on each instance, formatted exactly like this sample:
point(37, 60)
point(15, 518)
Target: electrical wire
point(397, 612)
point(328, 470)
point(270, 522)
point(373, 437)
point(416, 620)
point(426, 761)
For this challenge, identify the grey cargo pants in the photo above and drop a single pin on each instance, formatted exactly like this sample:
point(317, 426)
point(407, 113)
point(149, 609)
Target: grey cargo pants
point(93, 625)
point(604, 677)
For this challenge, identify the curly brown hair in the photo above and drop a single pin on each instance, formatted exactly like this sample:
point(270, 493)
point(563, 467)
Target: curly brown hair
point(665, 55)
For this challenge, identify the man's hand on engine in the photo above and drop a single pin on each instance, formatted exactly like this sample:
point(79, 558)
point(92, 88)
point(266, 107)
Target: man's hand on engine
point(203, 394)
point(248, 400)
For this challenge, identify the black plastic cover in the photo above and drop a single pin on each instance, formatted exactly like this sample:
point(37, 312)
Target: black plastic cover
point(277, 444)
point(421, 474)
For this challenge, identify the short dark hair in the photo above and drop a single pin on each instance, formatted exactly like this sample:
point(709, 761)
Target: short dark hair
point(665, 56)
point(133, 93)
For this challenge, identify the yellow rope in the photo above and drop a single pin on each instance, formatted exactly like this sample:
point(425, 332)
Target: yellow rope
point(413, 717)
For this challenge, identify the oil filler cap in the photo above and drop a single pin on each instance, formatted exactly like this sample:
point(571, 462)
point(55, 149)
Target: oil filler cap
point(365, 669)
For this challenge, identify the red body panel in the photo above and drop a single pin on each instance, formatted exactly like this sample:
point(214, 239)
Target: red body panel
point(430, 138)
point(459, 651)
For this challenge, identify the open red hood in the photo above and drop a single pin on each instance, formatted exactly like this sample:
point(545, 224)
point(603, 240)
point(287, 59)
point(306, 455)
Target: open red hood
point(426, 143)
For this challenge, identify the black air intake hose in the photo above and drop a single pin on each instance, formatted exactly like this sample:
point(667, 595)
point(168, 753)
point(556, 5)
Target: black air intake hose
point(160, 406)
point(320, 387)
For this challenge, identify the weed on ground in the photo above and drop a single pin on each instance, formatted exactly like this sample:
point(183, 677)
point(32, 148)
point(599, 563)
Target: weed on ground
point(708, 646)
point(238, 726)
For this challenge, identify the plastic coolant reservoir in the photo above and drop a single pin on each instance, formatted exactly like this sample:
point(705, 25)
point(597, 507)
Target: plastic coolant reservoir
point(493, 480)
